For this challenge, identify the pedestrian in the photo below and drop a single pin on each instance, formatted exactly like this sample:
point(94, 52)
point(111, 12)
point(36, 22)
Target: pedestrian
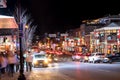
point(4, 63)
point(0, 65)
point(29, 59)
point(11, 62)
point(17, 65)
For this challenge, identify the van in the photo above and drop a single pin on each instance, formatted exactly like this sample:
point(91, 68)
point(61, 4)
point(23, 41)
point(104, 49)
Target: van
point(40, 59)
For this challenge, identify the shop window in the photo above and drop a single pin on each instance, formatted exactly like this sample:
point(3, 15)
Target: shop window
point(114, 48)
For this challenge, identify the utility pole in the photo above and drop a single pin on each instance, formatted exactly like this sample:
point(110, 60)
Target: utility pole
point(20, 27)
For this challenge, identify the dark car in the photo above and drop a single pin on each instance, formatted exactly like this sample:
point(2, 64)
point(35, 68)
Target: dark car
point(112, 58)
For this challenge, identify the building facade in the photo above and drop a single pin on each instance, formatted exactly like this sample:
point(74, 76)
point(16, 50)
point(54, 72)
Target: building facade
point(8, 33)
point(106, 39)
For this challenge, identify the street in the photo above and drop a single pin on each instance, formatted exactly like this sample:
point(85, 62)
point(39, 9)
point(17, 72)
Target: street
point(72, 71)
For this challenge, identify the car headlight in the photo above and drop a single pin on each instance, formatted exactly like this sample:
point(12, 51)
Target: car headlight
point(35, 61)
point(56, 59)
point(46, 61)
point(106, 58)
point(49, 60)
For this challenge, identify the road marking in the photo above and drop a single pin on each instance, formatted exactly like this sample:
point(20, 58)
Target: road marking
point(103, 70)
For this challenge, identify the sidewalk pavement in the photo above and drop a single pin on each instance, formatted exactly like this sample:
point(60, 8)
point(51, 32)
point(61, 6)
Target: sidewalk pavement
point(28, 75)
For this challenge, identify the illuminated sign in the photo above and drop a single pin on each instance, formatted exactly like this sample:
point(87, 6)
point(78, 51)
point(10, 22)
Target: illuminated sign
point(7, 22)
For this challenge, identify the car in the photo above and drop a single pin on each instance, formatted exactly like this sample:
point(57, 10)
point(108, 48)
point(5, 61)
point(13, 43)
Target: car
point(106, 60)
point(109, 58)
point(96, 57)
point(84, 57)
point(40, 59)
point(76, 57)
point(53, 58)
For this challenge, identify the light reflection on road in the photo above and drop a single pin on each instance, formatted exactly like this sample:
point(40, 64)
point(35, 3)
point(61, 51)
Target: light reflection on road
point(72, 71)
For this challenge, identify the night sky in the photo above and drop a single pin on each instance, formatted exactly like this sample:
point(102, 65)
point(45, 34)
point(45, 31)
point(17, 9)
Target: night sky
point(60, 15)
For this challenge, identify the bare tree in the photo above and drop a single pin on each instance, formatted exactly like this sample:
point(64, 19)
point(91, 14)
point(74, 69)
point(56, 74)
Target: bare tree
point(28, 26)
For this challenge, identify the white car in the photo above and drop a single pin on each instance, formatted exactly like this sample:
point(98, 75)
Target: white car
point(40, 59)
point(96, 57)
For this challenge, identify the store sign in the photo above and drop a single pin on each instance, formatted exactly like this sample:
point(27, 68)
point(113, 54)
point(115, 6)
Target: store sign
point(52, 35)
point(7, 22)
point(64, 34)
point(3, 4)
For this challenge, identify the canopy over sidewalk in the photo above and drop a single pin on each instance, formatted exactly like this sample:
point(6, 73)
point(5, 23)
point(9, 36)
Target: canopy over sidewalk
point(8, 25)
point(7, 22)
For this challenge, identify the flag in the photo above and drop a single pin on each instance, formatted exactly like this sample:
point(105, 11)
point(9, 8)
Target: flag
point(3, 3)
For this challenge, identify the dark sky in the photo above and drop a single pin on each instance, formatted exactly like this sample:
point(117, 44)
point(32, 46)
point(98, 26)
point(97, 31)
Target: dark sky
point(60, 15)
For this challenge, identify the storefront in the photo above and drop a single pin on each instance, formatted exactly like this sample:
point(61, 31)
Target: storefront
point(8, 33)
point(106, 39)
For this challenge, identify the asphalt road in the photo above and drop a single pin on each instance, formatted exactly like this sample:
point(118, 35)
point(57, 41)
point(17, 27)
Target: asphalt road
point(72, 71)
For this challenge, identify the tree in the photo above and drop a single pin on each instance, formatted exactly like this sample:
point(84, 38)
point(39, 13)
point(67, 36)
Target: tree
point(28, 25)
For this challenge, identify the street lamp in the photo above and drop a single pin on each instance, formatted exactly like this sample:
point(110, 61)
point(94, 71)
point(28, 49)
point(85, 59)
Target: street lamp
point(20, 25)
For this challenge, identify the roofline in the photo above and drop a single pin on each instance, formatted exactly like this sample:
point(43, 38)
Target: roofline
point(107, 28)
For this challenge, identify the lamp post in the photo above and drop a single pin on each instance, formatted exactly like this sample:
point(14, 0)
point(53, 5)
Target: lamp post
point(20, 27)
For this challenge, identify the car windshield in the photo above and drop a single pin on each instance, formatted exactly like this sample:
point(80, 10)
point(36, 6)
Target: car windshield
point(39, 56)
point(97, 54)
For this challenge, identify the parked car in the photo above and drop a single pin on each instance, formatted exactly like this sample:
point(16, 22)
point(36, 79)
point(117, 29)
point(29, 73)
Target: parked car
point(84, 57)
point(111, 58)
point(96, 57)
point(76, 57)
point(107, 60)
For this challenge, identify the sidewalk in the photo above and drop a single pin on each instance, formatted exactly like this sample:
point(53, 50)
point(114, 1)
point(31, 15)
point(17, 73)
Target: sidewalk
point(28, 75)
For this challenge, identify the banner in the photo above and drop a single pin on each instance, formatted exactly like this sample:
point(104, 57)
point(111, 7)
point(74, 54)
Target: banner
point(3, 4)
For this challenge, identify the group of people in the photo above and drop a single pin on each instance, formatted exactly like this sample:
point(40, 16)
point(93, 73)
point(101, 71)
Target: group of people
point(10, 62)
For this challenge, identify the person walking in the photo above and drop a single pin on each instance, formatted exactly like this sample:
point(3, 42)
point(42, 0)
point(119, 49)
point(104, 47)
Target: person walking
point(11, 62)
point(29, 59)
point(17, 65)
point(0, 65)
point(4, 63)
